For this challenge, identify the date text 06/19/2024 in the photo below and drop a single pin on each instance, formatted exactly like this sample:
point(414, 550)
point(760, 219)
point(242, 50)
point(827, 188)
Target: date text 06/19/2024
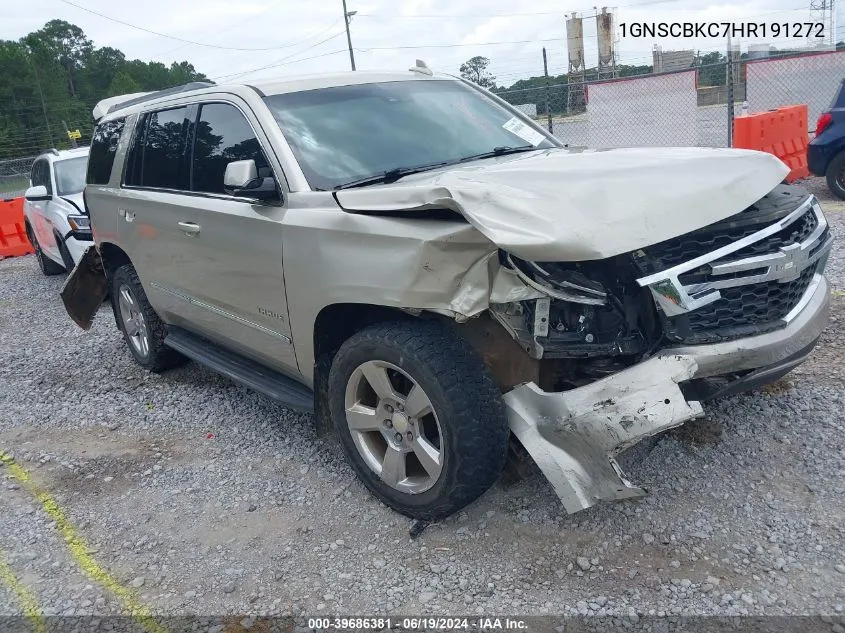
point(416, 623)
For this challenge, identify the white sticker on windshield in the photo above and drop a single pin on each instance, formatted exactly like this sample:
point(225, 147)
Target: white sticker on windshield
point(524, 132)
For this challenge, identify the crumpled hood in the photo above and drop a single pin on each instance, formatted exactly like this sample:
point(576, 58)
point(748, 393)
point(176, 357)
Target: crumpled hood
point(77, 200)
point(568, 205)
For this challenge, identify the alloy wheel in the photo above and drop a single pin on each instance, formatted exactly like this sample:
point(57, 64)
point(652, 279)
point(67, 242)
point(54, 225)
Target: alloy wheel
point(394, 426)
point(133, 320)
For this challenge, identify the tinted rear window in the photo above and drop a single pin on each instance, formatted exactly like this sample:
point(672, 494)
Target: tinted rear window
point(103, 150)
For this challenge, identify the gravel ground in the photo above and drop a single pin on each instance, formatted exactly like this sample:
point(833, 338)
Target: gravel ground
point(207, 498)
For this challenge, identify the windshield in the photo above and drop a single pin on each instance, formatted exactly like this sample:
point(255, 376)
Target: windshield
point(343, 134)
point(70, 175)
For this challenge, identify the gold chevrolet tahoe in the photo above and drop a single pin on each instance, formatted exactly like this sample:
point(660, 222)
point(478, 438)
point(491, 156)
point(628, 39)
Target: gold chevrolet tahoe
point(441, 281)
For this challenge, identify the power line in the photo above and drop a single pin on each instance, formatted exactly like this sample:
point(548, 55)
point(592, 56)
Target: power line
point(173, 37)
point(229, 27)
point(506, 15)
point(394, 48)
point(284, 62)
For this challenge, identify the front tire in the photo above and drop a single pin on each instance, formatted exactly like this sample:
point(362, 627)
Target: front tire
point(835, 175)
point(143, 330)
point(419, 417)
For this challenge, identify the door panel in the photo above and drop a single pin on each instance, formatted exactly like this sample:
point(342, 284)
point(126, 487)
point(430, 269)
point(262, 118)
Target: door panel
point(224, 281)
point(155, 171)
point(239, 242)
point(231, 268)
point(40, 210)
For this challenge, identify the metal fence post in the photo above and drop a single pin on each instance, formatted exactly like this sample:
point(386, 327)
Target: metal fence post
point(729, 78)
point(548, 90)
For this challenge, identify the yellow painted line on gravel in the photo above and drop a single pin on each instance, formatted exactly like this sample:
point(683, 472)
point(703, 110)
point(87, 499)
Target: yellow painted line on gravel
point(838, 293)
point(28, 602)
point(80, 551)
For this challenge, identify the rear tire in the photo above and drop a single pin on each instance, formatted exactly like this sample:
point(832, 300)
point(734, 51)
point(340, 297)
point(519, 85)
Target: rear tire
point(142, 329)
point(836, 176)
point(48, 266)
point(430, 454)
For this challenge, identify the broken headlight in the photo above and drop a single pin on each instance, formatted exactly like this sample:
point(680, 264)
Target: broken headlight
point(558, 280)
point(589, 309)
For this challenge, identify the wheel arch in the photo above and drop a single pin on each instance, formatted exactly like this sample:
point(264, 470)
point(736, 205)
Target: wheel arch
point(113, 258)
point(334, 324)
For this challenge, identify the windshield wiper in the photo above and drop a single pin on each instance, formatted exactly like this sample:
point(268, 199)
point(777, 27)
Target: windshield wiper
point(389, 176)
point(500, 151)
point(392, 175)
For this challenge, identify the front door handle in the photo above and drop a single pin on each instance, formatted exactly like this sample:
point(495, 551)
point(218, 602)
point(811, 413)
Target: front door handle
point(189, 228)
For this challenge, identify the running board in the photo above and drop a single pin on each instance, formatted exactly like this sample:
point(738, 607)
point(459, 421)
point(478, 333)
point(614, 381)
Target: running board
point(240, 369)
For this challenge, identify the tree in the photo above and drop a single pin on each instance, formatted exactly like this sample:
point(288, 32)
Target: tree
point(122, 84)
point(65, 43)
point(475, 70)
point(100, 70)
point(712, 69)
point(55, 75)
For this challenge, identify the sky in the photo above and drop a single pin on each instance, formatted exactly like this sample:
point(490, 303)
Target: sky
point(293, 37)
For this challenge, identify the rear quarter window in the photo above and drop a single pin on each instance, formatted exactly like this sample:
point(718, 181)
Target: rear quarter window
point(103, 151)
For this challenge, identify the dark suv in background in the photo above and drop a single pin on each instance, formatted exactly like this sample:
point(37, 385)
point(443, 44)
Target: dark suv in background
point(826, 152)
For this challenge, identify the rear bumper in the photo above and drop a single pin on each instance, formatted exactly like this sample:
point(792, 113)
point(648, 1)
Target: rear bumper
point(574, 436)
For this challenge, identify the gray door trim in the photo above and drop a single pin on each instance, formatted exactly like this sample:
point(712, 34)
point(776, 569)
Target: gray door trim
point(221, 312)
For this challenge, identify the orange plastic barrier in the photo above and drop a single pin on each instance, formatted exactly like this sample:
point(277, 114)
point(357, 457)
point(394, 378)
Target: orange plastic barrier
point(13, 240)
point(782, 132)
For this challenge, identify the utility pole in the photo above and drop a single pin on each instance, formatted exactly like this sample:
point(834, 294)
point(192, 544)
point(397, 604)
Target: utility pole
point(548, 104)
point(347, 17)
point(729, 80)
point(41, 94)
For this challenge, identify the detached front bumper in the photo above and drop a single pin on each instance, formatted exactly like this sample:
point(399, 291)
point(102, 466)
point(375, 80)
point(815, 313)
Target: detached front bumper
point(574, 436)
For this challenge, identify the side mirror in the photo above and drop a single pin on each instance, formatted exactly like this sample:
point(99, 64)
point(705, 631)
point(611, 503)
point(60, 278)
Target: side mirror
point(241, 179)
point(37, 194)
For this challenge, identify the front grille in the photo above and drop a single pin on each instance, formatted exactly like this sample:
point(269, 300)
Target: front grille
point(758, 284)
point(686, 247)
point(741, 311)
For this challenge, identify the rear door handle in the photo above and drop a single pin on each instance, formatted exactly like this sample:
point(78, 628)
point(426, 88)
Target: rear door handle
point(189, 228)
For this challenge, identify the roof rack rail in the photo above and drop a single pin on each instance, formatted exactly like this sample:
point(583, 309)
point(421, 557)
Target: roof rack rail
point(53, 150)
point(194, 85)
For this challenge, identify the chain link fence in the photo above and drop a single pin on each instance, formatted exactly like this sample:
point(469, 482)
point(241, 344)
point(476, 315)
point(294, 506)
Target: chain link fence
point(14, 176)
point(811, 79)
point(691, 107)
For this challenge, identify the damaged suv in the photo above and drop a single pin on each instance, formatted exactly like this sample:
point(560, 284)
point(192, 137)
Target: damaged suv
point(442, 281)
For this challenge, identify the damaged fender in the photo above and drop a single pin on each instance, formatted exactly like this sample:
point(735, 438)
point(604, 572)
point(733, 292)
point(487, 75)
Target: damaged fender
point(573, 436)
